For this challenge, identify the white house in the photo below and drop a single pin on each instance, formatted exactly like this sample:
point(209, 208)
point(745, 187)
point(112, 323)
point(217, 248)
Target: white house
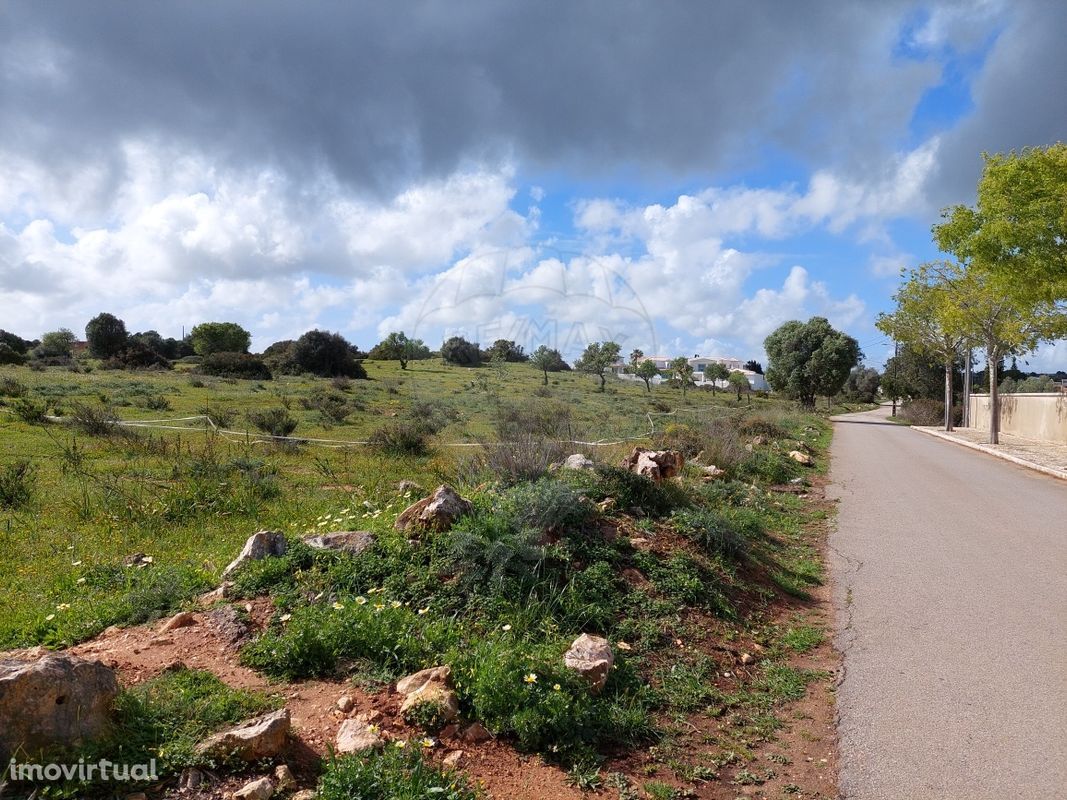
point(699, 365)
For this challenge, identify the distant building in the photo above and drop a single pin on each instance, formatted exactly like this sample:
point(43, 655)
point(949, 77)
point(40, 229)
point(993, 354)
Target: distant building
point(699, 365)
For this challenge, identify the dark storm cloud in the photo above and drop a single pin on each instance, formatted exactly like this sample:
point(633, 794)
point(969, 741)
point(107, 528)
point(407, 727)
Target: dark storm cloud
point(379, 93)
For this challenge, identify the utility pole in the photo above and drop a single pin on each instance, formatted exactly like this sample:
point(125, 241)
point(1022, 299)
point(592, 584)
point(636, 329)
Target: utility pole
point(896, 352)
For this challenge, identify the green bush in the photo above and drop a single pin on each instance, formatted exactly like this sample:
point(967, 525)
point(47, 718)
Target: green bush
point(713, 531)
point(9, 387)
point(677, 436)
point(767, 466)
point(16, 484)
point(272, 421)
point(393, 774)
point(234, 365)
point(34, 412)
point(546, 505)
point(629, 491)
point(332, 405)
point(401, 438)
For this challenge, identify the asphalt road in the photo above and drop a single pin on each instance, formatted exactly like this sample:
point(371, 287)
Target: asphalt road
point(950, 582)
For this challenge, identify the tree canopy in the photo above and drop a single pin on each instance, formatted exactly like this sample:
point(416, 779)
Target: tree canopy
point(219, 337)
point(328, 355)
point(806, 359)
point(457, 350)
point(398, 347)
point(548, 360)
point(597, 358)
point(106, 335)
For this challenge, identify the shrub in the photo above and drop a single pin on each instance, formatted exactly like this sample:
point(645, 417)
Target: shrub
point(530, 438)
point(434, 414)
point(327, 355)
point(393, 774)
point(136, 355)
point(401, 438)
point(458, 350)
point(209, 338)
point(9, 387)
point(629, 491)
point(35, 412)
point(716, 533)
point(684, 438)
point(16, 484)
point(767, 466)
point(763, 425)
point(923, 411)
point(273, 422)
point(10, 356)
point(547, 505)
point(234, 365)
point(94, 421)
point(722, 443)
point(333, 406)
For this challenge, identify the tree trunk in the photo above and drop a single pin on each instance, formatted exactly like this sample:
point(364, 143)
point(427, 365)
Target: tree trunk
point(648, 386)
point(546, 377)
point(948, 395)
point(603, 380)
point(994, 401)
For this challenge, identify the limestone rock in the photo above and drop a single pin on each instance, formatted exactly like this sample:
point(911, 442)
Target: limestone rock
point(409, 486)
point(430, 686)
point(453, 759)
point(345, 704)
point(259, 789)
point(578, 461)
point(800, 458)
point(437, 512)
point(56, 700)
point(263, 544)
point(592, 658)
point(355, 736)
point(262, 737)
point(658, 465)
point(283, 778)
point(181, 620)
point(712, 472)
point(416, 681)
point(191, 778)
point(228, 624)
point(474, 733)
point(352, 542)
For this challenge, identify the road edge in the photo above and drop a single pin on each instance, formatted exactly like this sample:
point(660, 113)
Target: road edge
point(990, 450)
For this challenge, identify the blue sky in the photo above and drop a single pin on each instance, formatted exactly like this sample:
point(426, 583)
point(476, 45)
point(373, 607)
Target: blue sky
point(683, 178)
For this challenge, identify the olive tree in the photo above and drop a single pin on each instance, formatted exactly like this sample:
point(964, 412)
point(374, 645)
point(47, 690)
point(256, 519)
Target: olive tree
point(806, 359)
point(597, 358)
point(106, 335)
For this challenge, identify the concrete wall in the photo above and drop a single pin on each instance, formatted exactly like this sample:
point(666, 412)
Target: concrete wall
point(1035, 416)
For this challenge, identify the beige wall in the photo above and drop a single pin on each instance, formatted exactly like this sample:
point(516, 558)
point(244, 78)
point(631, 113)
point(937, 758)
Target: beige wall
point(1036, 416)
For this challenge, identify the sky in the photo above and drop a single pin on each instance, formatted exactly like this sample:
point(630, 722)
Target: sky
point(680, 177)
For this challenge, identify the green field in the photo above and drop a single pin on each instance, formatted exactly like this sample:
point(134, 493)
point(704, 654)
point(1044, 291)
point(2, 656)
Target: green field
point(498, 598)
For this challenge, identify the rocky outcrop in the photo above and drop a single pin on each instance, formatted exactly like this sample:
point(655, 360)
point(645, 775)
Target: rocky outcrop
point(351, 542)
point(578, 461)
point(262, 544)
point(592, 658)
point(800, 458)
point(356, 735)
point(262, 737)
point(53, 701)
point(658, 465)
point(437, 512)
point(431, 686)
point(259, 789)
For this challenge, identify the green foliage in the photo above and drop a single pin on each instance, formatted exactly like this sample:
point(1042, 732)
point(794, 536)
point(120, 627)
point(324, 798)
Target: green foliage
point(272, 421)
point(548, 360)
point(767, 466)
point(398, 347)
point(56, 344)
point(15, 342)
point(219, 337)
point(136, 355)
point(809, 358)
point(862, 385)
point(9, 355)
point(394, 774)
point(506, 350)
point(682, 373)
point(327, 355)
point(401, 438)
point(629, 491)
point(234, 365)
point(546, 505)
point(715, 532)
point(10, 387)
point(597, 358)
point(1017, 233)
point(106, 335)
point(34, 412)
point(17, 484)
point(803, 638)
point(459, 351)
point(646, 370)
point(909, 375)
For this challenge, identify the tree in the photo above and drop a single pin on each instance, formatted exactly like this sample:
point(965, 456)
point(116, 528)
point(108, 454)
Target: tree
point(646, 371)
point(15, 342)
point(106, 335)
point(219, 337)
point(1017, 233)
point(636, 357)
point(153, 341)
point(597, 358)
point(56, 344)
point(862, 385)
point(754, 366)
point(506, 350)
point(8, 355)
point(910, 375)
point(547, 360)
point(682, 373)
point(458, 350)
point(328, 355)
point(1005, 325)
point(739, 381)
point(929, 319)
point(398, 347)
point(715, 372)
point(809, 358)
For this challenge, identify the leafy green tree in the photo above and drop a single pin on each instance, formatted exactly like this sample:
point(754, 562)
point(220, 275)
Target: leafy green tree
point(8, 355)
point(636, 357)
point(715, 372)
point(930, 320)
point(646, 371)
point(682, 373)
point(910, 375)
point(219, 337)
point(106, 335)
point(506, 350)
point(809, 358)
point(328, 355)
point(15, 342)
point(739, 381)
point(398, 347)
point(1017, 232)
point(597, 358)
point(56, 344)
point(547, 360)
point(754, 366)
point(862, 385)
point(457, 350)
point(153, 341)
